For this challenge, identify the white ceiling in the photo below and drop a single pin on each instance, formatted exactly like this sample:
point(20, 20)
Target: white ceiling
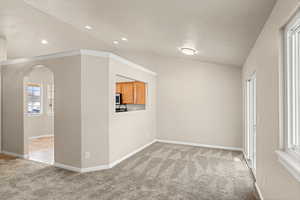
point(223, 31)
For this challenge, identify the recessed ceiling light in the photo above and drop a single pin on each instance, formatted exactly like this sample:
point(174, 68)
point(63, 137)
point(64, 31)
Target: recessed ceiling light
point(188, 51)
point(88, 27)
point(124, 39)
point(44, 41)
point(116, 42)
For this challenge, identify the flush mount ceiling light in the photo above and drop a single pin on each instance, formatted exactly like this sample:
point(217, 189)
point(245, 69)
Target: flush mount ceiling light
point(188, 51)
point(44, 41)
point(124, 39)
point(116, 42)
point(88, 27)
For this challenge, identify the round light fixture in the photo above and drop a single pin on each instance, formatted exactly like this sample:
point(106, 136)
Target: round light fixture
point(88, 27)
point(188, 51)
point(44, 41)
point(116, 42)
point(124, 39)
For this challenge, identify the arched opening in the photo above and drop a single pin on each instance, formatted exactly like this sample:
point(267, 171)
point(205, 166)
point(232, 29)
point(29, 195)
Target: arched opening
point(39, 114)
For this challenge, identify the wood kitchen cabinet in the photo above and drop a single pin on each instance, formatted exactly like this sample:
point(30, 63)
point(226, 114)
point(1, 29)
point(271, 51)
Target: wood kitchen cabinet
point(139, 92)
point(132, 92)
point(127, 93)
point(118, 88)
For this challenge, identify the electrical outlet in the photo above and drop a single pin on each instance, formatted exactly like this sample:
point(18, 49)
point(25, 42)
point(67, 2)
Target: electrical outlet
point(87, 155)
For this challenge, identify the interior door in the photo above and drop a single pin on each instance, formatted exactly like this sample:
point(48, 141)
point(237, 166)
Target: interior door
point(251, 122)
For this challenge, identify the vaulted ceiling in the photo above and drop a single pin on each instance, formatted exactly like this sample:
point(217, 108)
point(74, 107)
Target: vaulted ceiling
point(222, 31)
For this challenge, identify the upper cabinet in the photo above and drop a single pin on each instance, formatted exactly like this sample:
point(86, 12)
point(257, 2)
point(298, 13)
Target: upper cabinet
point(127, 92)
point(118, 88)
point(139, 92)
point(132, 92)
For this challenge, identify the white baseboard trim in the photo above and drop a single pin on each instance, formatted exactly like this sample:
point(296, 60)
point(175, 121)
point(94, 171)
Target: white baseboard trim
point(200, 145)
point(101, 167)
point(246, 159)
point(67, 167)
point(80, 170)
point(249, 167)
point(41, 136)
point(244, 153)
point(25, 156)
point(111, 165)
point(92, 169)
point(258, 191)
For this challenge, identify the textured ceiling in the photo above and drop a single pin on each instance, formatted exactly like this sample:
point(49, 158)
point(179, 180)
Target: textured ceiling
point(222, 31)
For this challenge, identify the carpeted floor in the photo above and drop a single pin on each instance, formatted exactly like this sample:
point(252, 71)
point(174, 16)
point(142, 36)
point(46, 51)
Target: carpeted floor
point(160, 172)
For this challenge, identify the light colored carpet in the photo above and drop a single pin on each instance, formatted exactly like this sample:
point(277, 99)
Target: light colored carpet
point(160, 172)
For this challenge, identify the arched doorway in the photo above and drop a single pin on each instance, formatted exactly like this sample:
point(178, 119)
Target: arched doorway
point(39, 114)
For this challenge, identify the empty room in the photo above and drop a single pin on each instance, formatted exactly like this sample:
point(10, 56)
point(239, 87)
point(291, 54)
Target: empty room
point(151, 100)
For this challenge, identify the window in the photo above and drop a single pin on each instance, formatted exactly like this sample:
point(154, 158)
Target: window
point(34, 100)
point(292, 86)
point(289, 156)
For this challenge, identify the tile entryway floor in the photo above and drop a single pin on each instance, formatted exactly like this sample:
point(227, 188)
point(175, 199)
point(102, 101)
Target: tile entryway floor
point(42, 149)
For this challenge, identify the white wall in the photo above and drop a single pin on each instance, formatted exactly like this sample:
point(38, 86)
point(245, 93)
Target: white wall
point(88, 132)
point(108, 136)
point(130, 130)
point(3, 57)
point(67, 119)
point(42, 124)
point(265, 59)
point(95, 110)
point(199, 103)
point(3, 49)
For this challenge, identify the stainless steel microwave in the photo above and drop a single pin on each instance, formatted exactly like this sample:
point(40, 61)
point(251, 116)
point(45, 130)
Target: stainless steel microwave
point(118, 99)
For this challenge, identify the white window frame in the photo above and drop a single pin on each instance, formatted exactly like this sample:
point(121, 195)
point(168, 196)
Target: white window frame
point(289, 155)
point(41, 99)
point(50, 98)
